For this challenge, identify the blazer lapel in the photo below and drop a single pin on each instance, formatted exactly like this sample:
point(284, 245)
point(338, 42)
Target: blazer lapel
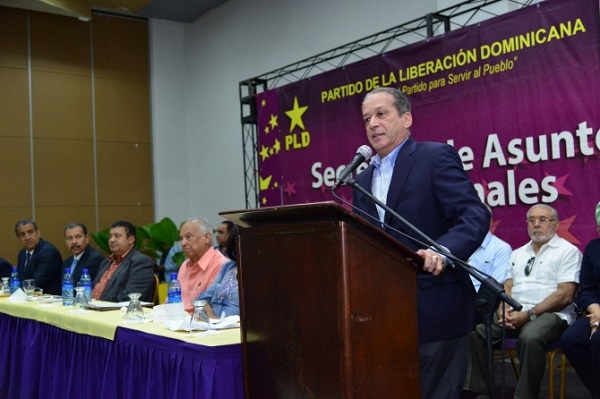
point(103, 269)
point(83, 258)
point(404, 163)
point(122, 267)
point(368, 183)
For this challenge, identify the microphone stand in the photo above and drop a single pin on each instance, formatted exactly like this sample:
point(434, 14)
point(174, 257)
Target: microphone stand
point(489, 295)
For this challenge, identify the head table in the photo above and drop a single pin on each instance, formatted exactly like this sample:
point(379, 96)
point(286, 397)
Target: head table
point(50, 351)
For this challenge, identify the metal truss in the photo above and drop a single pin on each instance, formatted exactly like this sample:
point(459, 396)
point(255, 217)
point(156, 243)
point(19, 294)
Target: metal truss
point(452, 18)
point(248, 91)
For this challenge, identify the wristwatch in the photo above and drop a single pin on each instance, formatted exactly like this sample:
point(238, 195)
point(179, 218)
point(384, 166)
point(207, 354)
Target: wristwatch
point(532, 316)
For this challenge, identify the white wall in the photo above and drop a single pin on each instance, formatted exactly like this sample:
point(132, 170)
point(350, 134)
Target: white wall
point(196, 69)
point(169, 132)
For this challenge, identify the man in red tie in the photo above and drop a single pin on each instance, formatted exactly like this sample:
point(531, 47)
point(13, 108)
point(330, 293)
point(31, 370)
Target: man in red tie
point(127, 270)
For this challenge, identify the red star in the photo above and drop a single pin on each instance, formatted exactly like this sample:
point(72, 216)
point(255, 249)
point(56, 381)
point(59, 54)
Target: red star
point(563, 230)
point(290, 189)
point(494, 225)
point(560, 185)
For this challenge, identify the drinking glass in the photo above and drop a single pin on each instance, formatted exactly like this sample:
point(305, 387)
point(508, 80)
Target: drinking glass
point(29, 287)
point(80, 303)
point(135, 312)
point(6, 285)
point(199, 314)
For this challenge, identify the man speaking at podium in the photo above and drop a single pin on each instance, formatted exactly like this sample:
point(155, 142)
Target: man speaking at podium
point(425, 183)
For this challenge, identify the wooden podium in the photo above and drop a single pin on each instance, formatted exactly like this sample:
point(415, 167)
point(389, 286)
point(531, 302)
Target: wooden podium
point(328, 305)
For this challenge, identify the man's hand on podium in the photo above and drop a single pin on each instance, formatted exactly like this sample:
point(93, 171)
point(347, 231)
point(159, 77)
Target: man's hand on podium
point(433, 262)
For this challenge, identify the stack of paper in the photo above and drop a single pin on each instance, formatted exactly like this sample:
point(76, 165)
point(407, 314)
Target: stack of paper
point(214, 324)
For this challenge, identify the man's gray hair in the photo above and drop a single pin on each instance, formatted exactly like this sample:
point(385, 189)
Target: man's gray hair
point(401, 101)
point(203, 224)
point(553, 212)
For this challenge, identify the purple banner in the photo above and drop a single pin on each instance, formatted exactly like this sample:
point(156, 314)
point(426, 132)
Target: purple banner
point(517, 96)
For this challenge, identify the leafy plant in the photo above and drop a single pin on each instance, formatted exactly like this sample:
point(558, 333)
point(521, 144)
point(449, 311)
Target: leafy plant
point(159, 238)
point(178, 258)
point(101, 239)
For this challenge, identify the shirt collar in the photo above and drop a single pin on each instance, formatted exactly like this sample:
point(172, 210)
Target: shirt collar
point(552, 243)
point(118, 259)
point(391, 157)
point(487, 239)
point(204, 260)
point(79, 256)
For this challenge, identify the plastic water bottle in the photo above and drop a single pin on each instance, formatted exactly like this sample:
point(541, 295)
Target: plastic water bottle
point(86, 282)
point(174, 290)
point(15, 282)
point(67, 288)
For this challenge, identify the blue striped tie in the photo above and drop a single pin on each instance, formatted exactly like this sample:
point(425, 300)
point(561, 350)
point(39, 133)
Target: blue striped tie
point(74, 264)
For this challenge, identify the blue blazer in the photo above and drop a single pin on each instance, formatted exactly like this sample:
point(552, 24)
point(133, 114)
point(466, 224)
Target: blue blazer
point(5, 268)
point(431, 190)
point(44, 266)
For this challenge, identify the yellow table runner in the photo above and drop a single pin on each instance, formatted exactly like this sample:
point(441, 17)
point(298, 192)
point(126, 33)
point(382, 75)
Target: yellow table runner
point(104, 323)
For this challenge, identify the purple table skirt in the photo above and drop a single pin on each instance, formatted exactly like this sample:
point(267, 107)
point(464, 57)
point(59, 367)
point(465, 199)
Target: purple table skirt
point(42, 361)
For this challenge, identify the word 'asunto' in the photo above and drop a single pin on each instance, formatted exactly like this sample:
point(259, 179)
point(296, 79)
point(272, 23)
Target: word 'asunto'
point(555, 146)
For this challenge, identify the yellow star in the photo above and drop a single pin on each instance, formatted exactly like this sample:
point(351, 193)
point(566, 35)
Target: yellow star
point(264, 201)
point(275, 185)
point(264, 152)
point(273, 121)
point(296, 115)
point(267, 130)
point(271, 151)
point(277, 146)
point(263, 102)
point(264, 183)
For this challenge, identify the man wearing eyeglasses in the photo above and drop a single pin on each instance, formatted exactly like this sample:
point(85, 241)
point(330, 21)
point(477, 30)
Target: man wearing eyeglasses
point(542, 275)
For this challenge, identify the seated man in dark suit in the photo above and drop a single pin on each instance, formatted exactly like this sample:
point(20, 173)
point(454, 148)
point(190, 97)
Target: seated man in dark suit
point(127, 270)
point(5, 268)
point(84, 256)
point(39, 259)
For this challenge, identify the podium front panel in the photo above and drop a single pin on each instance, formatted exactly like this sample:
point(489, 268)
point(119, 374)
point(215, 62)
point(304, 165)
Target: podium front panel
point(328, 310)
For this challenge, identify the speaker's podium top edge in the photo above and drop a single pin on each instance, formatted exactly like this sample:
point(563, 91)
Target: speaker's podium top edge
point(326, 211)
point(311, 212)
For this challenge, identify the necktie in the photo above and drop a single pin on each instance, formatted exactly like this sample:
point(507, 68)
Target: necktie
point(27, 259)
point(74, 264)
point(99, 288)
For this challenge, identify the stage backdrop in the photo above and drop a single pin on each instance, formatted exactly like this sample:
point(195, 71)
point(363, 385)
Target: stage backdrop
point(517, 96)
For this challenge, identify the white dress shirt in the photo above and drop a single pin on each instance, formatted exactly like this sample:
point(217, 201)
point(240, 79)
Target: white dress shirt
point(557, 261)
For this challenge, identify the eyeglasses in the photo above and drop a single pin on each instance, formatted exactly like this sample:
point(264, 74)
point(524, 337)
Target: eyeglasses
point(542, 220)
point(529, 265)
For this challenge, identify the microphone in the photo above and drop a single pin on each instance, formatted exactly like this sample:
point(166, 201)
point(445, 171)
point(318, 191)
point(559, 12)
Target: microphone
point(364, 152)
